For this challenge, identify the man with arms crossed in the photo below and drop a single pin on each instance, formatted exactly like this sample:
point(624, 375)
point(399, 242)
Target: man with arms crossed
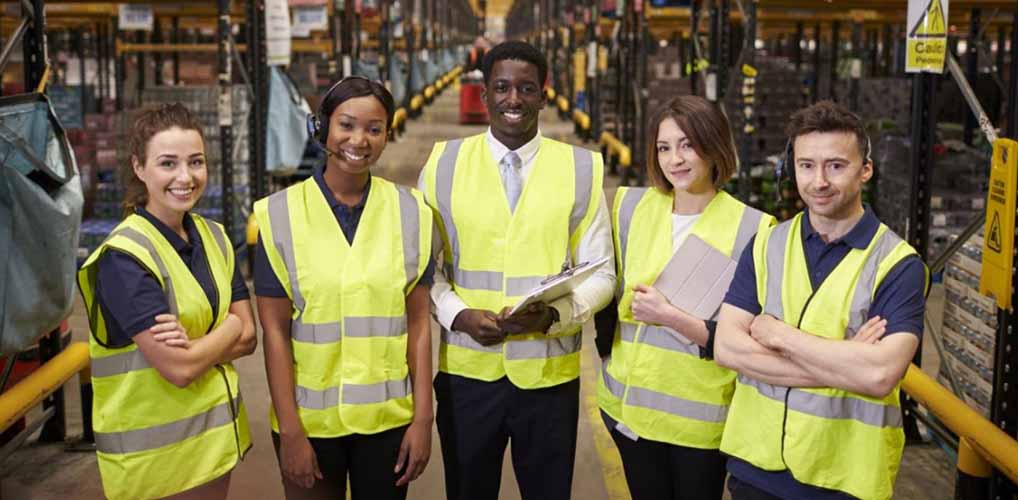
point(821, 321)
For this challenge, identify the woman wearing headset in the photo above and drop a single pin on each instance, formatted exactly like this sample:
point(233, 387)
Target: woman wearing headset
point(342, 276)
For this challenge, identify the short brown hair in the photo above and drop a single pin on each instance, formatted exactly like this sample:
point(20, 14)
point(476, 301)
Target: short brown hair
point(147, 123)
point(708, 132)
point(827, 116)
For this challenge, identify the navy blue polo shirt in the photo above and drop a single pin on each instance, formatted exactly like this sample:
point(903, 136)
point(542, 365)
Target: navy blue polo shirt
point(900, 299)
point(135, 298)
point(265, 281)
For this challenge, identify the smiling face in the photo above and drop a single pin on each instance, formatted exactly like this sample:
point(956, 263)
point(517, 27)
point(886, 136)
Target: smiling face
point(514, 96)
point(174, 172)
point(681, 165)
point(357, 134)
point(830, 172)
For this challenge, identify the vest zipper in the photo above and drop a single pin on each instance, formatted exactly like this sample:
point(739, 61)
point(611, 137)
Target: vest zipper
point(788, 391)
point(233, 412)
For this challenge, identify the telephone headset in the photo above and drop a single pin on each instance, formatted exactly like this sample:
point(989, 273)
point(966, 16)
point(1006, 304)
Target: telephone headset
point(786, 165)
point(318, 126)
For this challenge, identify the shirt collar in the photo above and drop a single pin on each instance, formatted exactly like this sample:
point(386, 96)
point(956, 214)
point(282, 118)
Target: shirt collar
point(526, 152)
point(319, 175)
point(171, 236)
point(859, 237)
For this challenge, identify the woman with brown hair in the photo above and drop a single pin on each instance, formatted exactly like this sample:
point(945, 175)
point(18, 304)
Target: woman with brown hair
point(661, 395)
point(169, 311)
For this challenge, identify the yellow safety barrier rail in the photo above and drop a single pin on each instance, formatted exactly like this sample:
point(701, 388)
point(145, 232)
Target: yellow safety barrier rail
point(981, 443)
point(550, 93)
point(617, 149)
point(429, 92)
point(33, 389)
point(582, 120)
point(398, 118)
point(416, 102)
point(563, 104)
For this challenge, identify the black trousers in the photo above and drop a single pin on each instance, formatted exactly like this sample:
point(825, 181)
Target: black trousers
point(662, 471)
point(477, 419)
point(369, 459)
point(741, 490)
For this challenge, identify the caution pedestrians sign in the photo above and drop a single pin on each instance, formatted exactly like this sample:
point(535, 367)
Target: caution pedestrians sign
point(998, 231)
point(927, 36)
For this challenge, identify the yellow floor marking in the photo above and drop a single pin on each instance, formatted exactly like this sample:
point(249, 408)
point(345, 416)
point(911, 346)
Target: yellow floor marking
point(611, 462)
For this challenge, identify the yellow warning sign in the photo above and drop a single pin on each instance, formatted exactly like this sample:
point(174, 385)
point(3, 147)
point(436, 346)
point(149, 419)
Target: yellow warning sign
point(927, 36)
point(998, 231)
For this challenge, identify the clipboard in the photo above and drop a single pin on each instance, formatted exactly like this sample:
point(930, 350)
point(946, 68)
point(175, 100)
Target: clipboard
point(560, 285)
point(697, 278)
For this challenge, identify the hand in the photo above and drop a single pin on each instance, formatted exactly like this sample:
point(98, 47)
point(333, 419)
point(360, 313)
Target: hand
point(536, 317)
point(649, 306)
point(298, 461)
point(481, 325)
point(414, 451)
point(871, 331)
point(764, 330)
point(168, 330)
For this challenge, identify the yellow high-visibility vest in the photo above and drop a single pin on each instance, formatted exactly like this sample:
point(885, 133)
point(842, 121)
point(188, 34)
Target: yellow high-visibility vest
point(824, 437)
point(154, 439)
point(493, 256)
point(655, 384)
point(349, 326)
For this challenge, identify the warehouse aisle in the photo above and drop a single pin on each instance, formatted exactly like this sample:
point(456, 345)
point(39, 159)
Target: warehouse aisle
point(46, 472)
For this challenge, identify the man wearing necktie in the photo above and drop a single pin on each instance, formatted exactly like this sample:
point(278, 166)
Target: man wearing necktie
point(513, 208)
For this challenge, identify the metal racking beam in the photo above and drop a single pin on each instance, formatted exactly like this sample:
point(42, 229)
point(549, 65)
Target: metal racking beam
point(1004, 404)
point(33, 44)
point(257, 64)
point(225, 112)
point(972, 69)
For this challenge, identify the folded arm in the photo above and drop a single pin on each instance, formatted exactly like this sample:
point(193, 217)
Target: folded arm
point(736, 349)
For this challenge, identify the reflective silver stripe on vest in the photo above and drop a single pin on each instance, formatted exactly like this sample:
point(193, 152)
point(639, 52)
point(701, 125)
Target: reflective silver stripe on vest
point(819, 405)
point(626, 208)
point(776, 244)
point(158, 436)
point(657, 336)
point(863, 294)
point(321, 333)
point(353, 394)
point(282, 236)
point(845, 408)
point(362, 394)
point(663, 338)
point(747, 229)
point(646, 398)
point(522, 285)
point(411, 226)
point(615, 387)
point(120, 363)
point(775, 392)
point(311, 399)
point(374, 326)
point(543, 348)
point(460, 339)
point(139, 238)
point(220, 238)
point(443, 197)
point(584, 162)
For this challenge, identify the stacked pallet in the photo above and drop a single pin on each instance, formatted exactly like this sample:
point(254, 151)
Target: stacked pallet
point(969, 329)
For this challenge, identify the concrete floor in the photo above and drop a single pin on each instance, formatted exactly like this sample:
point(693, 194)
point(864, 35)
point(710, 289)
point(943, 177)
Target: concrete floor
point(46, 471)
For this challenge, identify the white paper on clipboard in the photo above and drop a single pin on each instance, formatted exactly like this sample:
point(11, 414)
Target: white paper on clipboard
point(560, 285)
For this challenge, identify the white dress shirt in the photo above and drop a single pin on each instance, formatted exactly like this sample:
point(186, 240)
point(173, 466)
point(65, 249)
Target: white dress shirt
point(591, 296)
